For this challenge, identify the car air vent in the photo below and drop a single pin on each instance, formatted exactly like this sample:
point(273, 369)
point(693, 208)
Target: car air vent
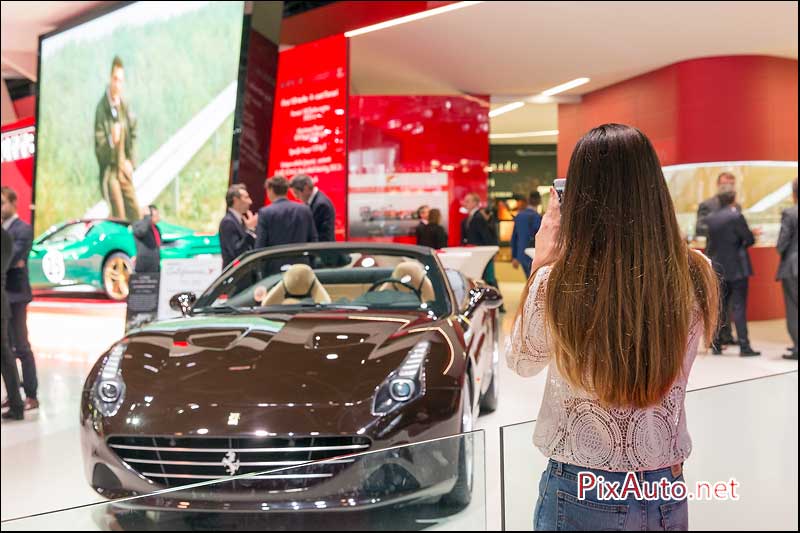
point(324, 341)
point(214, 339)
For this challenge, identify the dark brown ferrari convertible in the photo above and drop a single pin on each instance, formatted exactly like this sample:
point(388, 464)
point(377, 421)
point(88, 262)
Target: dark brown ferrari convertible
point(294, 355)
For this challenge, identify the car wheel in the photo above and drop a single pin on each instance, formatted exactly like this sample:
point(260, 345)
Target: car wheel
point(489, 398)
point(117, 270)
point(461, 494)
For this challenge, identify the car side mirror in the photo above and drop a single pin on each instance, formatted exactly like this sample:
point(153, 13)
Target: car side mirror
point(486, 296)
point(183, 302)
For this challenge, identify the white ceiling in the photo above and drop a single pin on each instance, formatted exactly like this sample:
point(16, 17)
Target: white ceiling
point(517, 49)
point(505, 49)
point(23, 22)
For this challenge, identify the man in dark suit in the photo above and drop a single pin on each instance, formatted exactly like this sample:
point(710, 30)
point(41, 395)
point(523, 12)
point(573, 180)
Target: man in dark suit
point(237, 231)
point(148, 242)
point(283, 221)
point(423, 212)
point(476, 231)
point(729, 237)
point(725, 182)
point(9, 367)
point(321, 206)
point(475, 228)
point(526, 224)
point(787, 271)
point(18, 289)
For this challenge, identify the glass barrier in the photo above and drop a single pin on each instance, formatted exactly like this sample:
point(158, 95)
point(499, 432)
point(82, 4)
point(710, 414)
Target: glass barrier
point(745, 430)
point(438, 484)
point(763, 190)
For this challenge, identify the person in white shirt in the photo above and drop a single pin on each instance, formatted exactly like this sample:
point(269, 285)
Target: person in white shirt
point(614, 310)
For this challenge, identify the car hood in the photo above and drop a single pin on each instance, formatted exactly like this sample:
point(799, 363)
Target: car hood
point(311, 359)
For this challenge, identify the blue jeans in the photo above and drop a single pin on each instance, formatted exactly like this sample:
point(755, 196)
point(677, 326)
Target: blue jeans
point(559, 509)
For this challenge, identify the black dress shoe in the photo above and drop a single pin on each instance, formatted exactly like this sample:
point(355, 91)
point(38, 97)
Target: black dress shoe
point(14, 415)
point(716, 349)
point(791, 356)
point(748, 351)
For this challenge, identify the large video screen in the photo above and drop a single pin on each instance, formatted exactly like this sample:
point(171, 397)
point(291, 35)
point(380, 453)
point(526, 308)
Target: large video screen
point(136, 107)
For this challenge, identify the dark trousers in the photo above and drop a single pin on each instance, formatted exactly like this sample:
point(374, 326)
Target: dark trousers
point(725, 329)
point(790, 301)
point(526, 264)
point(488, 274)
point(9, 368)
point(734, 301)
point(18, 339)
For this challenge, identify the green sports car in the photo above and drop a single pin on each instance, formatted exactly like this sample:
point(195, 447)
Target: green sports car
point(97, 255)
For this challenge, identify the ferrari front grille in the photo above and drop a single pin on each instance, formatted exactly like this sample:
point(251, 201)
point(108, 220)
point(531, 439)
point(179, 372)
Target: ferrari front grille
point(271, 463)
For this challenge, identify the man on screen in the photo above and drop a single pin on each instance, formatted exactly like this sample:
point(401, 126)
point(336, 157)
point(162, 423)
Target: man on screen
point(115, 146)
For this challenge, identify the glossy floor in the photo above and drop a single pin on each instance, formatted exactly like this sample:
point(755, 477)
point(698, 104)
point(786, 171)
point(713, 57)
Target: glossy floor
point(41, 462)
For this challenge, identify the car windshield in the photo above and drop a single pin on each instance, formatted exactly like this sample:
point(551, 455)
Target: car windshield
point(68, 233)
point(326, 279)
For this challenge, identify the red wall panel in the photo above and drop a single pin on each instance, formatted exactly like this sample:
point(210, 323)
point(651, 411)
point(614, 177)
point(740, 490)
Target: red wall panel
point(423, 133)
point(25, 107)
point(731, 108)
point(309, 128)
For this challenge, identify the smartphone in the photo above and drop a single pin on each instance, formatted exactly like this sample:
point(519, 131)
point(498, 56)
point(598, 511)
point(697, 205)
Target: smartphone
point(558, 185)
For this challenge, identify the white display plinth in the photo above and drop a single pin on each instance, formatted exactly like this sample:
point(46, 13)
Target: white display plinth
point(469, 260)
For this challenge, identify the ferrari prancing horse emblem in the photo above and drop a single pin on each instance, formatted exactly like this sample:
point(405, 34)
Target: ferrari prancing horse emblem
point(231, 463)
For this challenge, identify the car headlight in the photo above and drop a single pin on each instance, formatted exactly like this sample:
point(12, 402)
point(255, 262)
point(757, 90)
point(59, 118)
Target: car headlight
point(109, 389)
point(405, 384)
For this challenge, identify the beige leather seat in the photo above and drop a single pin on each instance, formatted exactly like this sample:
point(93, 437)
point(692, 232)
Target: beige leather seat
point(414, 274)
point(298, 282)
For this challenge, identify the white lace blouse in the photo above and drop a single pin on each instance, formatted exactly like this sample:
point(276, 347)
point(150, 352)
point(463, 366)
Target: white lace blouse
point(574, 428)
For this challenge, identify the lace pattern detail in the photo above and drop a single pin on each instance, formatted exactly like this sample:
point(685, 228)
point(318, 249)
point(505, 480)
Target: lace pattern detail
point(573, 427)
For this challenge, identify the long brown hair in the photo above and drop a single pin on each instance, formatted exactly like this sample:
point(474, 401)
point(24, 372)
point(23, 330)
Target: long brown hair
point(624, 284)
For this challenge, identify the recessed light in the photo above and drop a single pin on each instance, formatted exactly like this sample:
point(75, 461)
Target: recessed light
point(409, 18)
point(505, 109)
point(566, 86)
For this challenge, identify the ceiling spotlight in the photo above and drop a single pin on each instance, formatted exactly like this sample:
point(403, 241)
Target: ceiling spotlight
point(505, 109)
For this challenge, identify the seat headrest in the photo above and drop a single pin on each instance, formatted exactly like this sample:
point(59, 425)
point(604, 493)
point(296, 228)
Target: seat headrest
point(414, 274)
point(299, 281)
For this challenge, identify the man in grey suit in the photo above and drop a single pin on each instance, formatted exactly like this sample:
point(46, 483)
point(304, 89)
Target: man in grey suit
point(283, 221)
point(729, 237)
point(787, 271)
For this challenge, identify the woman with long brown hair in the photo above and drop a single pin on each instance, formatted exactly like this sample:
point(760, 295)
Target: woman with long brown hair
point(614, 309)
